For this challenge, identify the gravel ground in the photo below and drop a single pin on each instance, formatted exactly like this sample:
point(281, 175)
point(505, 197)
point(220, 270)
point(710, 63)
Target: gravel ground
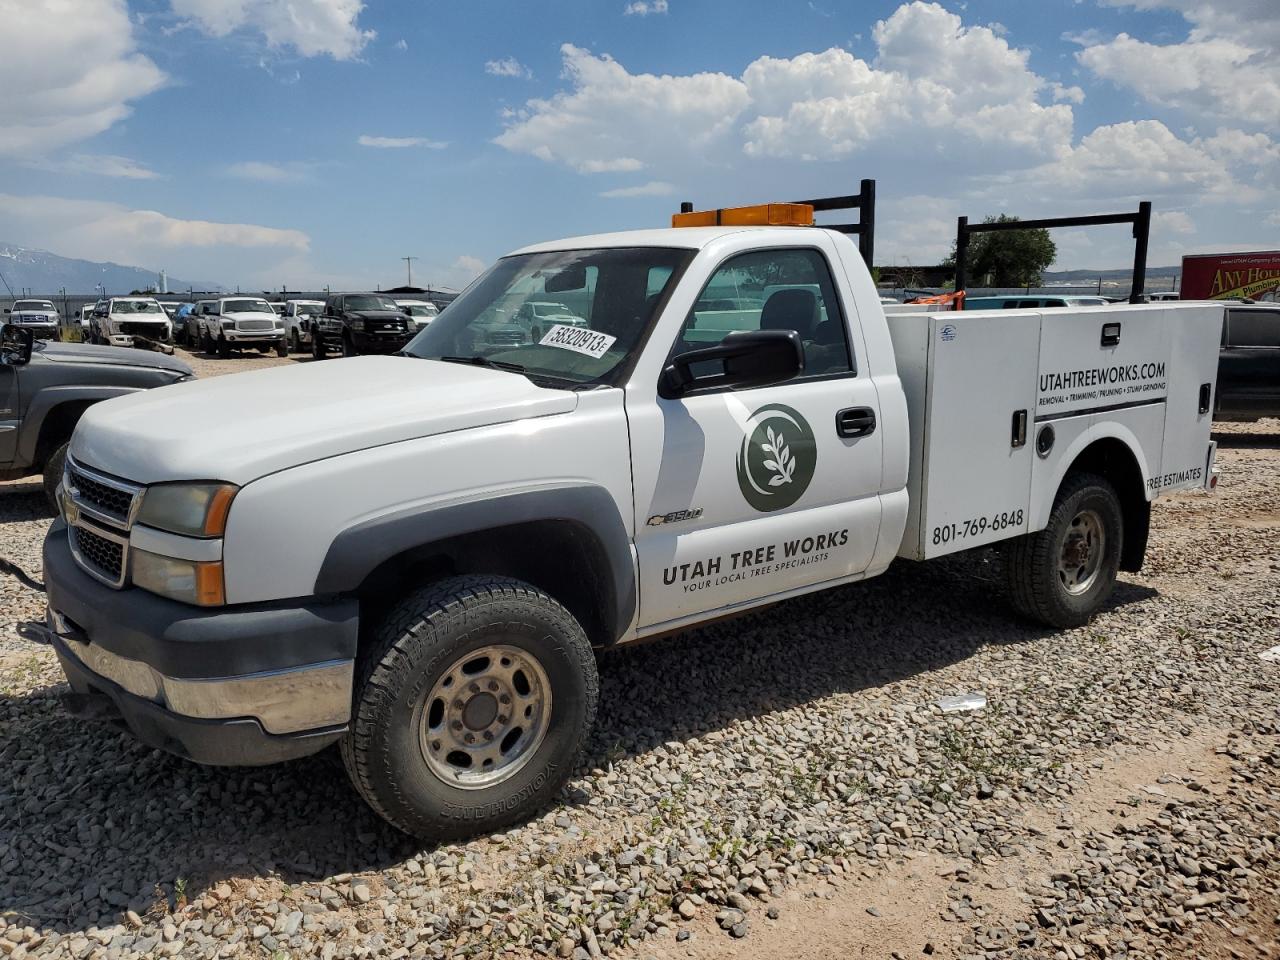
point(778, 785)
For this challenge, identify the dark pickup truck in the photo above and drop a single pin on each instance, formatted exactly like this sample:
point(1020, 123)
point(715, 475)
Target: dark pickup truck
point(45, 387)
point(359, 323)
point(1249, 363)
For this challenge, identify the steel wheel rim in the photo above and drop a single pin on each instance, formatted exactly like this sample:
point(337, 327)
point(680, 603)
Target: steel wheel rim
point(1083, 548)
point(485, 717)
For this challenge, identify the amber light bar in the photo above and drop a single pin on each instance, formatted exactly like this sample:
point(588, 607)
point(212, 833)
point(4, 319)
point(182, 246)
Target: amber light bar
point(760, 215)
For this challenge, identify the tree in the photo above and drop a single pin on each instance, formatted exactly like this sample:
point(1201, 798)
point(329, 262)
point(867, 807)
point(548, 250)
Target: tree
point(1013, 258)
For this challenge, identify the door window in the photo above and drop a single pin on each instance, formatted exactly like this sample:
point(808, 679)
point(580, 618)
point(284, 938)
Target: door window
point(784, 289)
point(1254, 328)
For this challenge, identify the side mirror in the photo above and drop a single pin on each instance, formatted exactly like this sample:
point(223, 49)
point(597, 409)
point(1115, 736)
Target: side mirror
point(746, 358)
point(15, 344)
point(6, 309)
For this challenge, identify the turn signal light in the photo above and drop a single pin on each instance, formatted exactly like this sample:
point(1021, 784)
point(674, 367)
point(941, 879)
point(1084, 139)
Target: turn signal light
point(760, 215)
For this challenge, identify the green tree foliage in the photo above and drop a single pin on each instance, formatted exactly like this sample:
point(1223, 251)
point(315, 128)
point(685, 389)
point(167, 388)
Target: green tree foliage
point(1013, 258)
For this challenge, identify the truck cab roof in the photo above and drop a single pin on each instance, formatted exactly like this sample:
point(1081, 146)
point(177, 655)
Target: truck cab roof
point(690, 238)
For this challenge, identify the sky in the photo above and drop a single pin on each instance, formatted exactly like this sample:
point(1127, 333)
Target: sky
point(304, 143)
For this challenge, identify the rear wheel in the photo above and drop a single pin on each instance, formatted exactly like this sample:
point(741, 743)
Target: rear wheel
point(1063, 574)
point(472, 704)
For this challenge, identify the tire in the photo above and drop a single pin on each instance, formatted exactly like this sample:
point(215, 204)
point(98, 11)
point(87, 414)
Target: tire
point(206, 341)
point(180, 337)
point(53, 474)
point(224, 348)
point(428, 639)
point(318, 351)
point(282, 348)
point(1050, 579)
point(297, 341)
point(348, 348)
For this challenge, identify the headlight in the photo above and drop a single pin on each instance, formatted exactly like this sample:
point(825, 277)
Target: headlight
point(188, 581)
point(228, 323)
point(357, 325)
point(191, 509)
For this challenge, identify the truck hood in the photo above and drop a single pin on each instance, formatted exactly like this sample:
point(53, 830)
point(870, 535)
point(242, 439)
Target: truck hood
point(114, 356)
point(244, 426)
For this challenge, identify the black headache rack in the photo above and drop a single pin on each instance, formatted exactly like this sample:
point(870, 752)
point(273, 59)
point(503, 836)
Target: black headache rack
point(864, 201)
point(1141, 220)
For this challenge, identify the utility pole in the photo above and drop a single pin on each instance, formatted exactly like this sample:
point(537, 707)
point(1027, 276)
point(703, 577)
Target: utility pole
point(408, 265)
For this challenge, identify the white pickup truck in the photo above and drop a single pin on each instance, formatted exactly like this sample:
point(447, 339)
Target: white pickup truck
point(418, 553)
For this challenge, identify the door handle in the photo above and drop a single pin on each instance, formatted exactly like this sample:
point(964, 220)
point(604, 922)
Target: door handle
point(855, 422)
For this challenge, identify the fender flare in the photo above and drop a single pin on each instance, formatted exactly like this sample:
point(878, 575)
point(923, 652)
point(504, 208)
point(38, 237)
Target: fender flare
point(359, 550)
point(46, 400)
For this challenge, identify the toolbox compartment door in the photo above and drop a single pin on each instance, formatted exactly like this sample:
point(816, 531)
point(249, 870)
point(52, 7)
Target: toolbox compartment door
point(968, 376)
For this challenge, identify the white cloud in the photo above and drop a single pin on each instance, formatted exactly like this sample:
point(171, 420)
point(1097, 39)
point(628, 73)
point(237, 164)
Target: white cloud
point(613, 120)
point(402, 44)
point(1214, 77)
point(654, 188)
point(1172, 221)
point(937, 89)
point(312, 27)
point(642, 8)
point(507, 67)
point(1064, 94)
point(397, 143)
point(96, 230)
point(1225, 69)
point(99, 164)
point(269, 172)
point(68, 71)
point(469, 265)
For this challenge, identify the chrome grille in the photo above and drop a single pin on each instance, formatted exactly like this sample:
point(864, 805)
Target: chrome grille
point(99, 554)
point(140, 328)
point(506, 337)
point(99, 509)
point(254, 326)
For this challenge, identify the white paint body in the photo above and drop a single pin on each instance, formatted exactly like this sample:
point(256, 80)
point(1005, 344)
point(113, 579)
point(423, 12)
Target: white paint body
point(320, 448)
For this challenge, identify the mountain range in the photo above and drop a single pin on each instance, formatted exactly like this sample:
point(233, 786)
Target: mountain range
point(43, 274)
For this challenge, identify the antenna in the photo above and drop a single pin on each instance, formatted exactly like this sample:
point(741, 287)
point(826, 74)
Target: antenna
point(408, 265)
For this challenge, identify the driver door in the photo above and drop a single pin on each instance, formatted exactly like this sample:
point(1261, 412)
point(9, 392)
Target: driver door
point(10, 413)
point(742, 495)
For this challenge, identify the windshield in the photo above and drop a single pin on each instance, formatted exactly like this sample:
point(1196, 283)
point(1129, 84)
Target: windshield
point(307, 309)
point(421, 310)
point(370, 302)
point(33, 305)
point(605, 302)
point(246, 306)
point(135, 306)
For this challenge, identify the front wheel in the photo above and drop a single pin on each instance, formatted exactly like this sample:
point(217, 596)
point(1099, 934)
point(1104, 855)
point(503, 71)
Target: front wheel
point(348, 347)
point(1064, 573)
point(318, 351)
point(472, 704)
point(297, 341)
point(282, 348)
point(224, 348)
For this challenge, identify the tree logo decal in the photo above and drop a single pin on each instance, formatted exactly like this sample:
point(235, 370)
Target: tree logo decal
point(776, 459)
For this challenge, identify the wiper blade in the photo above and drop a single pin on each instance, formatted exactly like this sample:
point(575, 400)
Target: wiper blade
point(480, 361)
point(534, 375)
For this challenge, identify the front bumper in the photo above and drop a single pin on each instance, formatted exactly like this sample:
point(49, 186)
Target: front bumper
point(380, 342)
point(242, 685)
point(265, 336)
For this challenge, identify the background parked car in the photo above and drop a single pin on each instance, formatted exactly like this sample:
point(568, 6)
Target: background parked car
point(119, 321)
point(419, 312)
point(1020, 302)
point(359, 323)
point(38, 316)
point(299, 316)
point(1249, 363)
point(234, 323)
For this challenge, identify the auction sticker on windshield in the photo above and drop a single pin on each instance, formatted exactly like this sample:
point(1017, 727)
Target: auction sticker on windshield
point(579, 340)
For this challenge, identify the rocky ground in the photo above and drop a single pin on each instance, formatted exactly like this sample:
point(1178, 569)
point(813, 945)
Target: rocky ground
point(782, 785)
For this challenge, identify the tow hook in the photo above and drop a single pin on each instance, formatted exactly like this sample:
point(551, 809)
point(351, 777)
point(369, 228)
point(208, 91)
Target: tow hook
point(15, 571)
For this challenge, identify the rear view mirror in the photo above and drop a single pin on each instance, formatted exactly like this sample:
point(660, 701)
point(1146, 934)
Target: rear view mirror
point(15, 344)
point(745, 358)
point(570, 278)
